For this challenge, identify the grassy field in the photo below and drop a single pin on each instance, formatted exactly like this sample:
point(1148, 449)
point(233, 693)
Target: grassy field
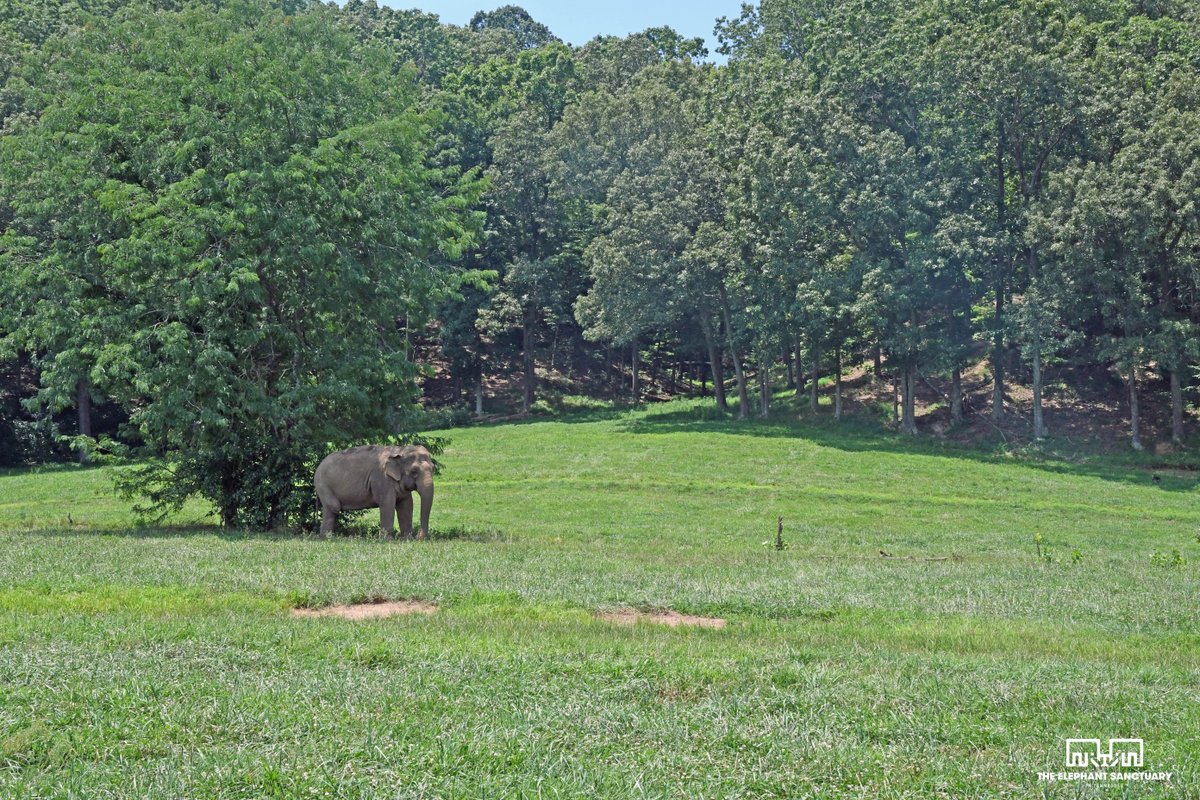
point(139, 662)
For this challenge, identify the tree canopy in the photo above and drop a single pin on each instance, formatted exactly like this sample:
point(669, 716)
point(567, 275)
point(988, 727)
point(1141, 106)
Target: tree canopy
point(239, 222)
point(223, 221)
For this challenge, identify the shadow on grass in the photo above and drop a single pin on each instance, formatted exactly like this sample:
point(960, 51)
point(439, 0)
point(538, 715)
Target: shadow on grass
point(182, 531)
point(566, 418)
point(351, 533)
point(857, 435)
point(55, 467)
point(459, 533)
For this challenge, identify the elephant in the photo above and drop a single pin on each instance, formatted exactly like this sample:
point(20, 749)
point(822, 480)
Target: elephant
point(371, 476)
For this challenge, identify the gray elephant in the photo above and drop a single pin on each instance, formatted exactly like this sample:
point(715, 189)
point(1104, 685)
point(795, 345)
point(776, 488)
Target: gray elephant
point(380, 476)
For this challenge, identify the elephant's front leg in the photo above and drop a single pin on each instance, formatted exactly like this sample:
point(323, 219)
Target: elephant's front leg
point(387, 515)
point(404, 508)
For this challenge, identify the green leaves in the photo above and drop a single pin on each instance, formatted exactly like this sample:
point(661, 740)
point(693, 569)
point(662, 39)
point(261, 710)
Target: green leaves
point(632, 164)
point(228, 216)
point(240, 211)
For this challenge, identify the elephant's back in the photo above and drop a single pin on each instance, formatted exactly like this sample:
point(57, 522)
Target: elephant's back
point(359, 457)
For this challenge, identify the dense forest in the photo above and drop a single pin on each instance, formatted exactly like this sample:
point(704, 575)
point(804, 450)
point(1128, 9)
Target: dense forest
point(238, 231)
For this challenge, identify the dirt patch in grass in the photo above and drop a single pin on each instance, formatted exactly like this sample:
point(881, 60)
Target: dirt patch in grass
point(392, 608)
point(672, 619)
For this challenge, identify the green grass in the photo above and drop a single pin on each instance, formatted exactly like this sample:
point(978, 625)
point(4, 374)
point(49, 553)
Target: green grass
point(162, 661)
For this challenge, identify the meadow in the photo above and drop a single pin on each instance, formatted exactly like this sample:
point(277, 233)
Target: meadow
point(1022, 601)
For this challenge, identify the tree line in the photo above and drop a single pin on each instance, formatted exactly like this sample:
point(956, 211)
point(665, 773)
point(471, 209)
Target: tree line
point(229, 219)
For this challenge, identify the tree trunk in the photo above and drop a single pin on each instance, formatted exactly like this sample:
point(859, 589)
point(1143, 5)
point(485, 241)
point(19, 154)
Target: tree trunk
point(878, 366)
point(895, 399)
point(1134, 422)
point(1039, 419)
point(229, 502)
point(84, 407)
point(812, 397)
point(799, 371)
point(764, 387)
point(998, 358)
point(837, 385)
point(530, 375)
point(998, 341)
point(739, 370)
point(956, 397)
point(479, 394)
point(1039, 424)
point(787, 359)
point(1176, 408)
point(1167, 308)
point(633, 360)
point(743, 394)
point(909, 424)
point(714, 362)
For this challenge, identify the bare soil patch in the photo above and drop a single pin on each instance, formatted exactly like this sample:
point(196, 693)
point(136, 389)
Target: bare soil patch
point(672, 619)
point(369, 610)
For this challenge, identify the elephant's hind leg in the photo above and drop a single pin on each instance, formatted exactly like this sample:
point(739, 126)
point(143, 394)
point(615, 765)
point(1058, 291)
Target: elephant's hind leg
point(329, 511)
point(328, 517)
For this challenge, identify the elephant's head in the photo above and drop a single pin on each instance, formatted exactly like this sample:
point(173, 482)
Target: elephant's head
point(412, 468)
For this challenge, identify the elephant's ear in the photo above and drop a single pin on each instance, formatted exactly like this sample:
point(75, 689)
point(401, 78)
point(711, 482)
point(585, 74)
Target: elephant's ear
point(394, 467)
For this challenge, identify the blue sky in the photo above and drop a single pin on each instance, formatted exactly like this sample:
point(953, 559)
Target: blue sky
point(577, 22)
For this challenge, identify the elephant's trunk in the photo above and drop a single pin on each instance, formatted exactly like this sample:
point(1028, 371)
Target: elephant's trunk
point(425, 489)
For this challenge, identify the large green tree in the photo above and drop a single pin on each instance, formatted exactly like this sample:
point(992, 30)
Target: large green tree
point(1122, 227)
point(527, 33)
point(636, 174)
point(513, 104)
point(219, 220)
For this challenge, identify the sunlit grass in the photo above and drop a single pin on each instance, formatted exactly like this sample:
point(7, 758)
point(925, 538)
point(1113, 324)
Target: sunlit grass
point(144, 661)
